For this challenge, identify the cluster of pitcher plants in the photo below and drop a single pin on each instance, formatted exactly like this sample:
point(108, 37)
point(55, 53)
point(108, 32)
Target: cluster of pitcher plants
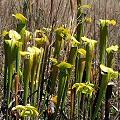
point(55, 78)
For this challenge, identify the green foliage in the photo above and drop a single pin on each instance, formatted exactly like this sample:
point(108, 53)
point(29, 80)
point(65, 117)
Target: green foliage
point(85, 6)
point(109, 71)
point(84, 88)
point(82, 51)
point(63, 66)
point(20, 17)
point(62, 32)
point(112, 48)
point(55, 61)
point(42, 39)
point(43, 69)
point(106, 78)
point(104, 37)
point(26, 110)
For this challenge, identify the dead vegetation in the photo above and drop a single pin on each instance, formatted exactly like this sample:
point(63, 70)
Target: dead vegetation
point(40, 15)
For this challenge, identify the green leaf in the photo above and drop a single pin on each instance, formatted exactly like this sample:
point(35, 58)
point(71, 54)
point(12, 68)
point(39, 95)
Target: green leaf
point(103, 22)
point(18, 44)
point(84, 88)
point(18, 107)
point(55, 61)
point(26, 110)
point(85, 6)
point(89, 19)
point(35, 51)
point(28, 35)
point(35, 111)
point(31, 50)
point(38, 50)
point(20, 17)
point(62, 32)
point(106, 69)
point(26, 113)
point(24, 53)
point(63, 66)
point(114, 75)
point(37, 32)
point(40, 40)
point(80, 87)
point(40, 37)
point(112, 48)
point(4, 33)
point(85, 39)
point(47, 31)
point(73, 39)
point(82, 51)
point(14, 35)
point(113, 22)
point(8, 42)
point(75, 85)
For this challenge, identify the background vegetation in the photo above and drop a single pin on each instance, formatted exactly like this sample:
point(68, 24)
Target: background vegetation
point(39, 15)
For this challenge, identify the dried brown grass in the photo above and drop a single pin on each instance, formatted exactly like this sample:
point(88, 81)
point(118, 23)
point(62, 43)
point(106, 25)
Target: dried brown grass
point(40, 16)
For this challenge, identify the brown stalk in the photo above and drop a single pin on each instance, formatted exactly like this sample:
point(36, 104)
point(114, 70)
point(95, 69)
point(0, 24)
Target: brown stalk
point(78, 3)
point(51, 11)
point(16, 89)
point(72, 102)
point(38, 4)
point(72, 7)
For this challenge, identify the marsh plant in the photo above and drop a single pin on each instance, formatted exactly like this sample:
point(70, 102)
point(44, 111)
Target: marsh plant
point(47, 78)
